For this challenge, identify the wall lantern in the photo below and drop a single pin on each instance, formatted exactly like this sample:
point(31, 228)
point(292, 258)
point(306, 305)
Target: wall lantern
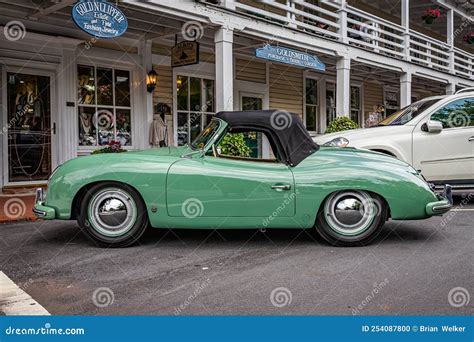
point(151, 80)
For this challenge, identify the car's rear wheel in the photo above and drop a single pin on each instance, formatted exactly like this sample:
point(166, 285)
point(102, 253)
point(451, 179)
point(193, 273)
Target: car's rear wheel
point(351, 218)
point(112, 215)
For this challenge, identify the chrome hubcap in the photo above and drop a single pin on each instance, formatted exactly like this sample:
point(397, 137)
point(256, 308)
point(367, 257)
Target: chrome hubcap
point(350, 212)
point(112, 212)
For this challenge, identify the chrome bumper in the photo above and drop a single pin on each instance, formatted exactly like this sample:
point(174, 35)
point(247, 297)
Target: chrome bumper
point(443, 205)
point(39, 209)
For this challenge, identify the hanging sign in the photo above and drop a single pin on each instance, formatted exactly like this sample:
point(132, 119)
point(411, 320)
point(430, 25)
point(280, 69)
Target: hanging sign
point(99, 18)
point(289, 56)
point(185, 53)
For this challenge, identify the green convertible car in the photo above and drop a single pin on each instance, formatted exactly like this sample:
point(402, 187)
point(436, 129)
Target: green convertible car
point(343, 193)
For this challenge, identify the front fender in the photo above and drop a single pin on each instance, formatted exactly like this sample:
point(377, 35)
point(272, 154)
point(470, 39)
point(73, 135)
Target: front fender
point(146, 174)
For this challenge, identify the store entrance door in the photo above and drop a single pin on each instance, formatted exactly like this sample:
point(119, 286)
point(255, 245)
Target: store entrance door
point(29, 127)
point(258, 142)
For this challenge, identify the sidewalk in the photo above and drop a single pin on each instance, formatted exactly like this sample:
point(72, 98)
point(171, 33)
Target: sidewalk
point(16, 207)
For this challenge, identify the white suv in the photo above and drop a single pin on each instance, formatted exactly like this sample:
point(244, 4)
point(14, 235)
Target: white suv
point(434, 135)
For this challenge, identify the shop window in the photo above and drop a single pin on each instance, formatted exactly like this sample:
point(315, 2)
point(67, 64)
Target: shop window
point(195, 105)
point(355, 104)
point(104, 106)
point(311, 104)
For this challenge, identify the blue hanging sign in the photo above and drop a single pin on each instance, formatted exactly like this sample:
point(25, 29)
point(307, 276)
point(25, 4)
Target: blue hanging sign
point(99, 18)
point(289, 56)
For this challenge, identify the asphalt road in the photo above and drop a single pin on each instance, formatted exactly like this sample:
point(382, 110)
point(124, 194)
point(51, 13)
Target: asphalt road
point(409, 270)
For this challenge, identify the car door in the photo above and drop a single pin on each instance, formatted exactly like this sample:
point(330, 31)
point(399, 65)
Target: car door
point(447, 156)
point(221, 187)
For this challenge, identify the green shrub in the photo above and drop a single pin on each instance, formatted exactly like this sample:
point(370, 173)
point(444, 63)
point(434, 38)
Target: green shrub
point(342, 123)
point(234, 145)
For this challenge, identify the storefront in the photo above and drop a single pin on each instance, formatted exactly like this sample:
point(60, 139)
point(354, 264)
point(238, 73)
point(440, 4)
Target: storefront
point(66, 95)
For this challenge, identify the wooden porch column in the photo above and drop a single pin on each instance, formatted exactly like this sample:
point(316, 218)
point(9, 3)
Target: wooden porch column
point(405, 14)
point(224, 69)
point(343, 86)
point(405, 89)
point(450, 88)
point(450, 38)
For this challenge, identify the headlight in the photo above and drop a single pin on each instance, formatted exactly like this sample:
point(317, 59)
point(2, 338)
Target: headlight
point(337, 142)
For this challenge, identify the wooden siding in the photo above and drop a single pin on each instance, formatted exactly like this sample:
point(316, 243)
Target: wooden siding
point(286, 88)
point(250, 70)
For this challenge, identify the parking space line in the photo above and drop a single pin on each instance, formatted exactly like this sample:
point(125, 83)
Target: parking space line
point(464, 209)
point(15, 301)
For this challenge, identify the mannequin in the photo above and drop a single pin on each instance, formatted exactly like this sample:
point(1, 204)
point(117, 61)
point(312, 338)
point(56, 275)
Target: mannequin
point(159, 134)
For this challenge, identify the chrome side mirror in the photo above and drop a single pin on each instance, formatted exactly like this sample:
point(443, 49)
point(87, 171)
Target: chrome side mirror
point(434, 126)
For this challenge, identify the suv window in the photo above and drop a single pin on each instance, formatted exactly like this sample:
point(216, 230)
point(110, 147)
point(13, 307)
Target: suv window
point(408, 113)
point(459, 113)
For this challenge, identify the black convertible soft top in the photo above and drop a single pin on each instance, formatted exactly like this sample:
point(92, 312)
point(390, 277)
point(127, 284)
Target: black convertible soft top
point(285, 131)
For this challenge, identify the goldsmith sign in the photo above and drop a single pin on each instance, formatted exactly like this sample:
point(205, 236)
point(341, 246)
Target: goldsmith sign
point(185, 53)
point(99, 18)
point(289, 56)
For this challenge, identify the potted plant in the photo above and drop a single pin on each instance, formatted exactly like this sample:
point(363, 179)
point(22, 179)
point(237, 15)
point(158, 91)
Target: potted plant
point(469, 38)
point(342, 123)
point(430, 15)
point(113, 147)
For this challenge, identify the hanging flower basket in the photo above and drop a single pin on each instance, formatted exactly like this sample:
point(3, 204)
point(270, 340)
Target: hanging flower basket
point(430, 15)
point(469, 38)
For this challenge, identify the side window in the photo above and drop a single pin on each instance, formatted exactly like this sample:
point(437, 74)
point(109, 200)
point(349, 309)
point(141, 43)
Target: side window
point(248, 145)
point(459, 113)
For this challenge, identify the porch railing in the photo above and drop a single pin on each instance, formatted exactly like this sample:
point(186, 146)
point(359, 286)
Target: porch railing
point(329, 19)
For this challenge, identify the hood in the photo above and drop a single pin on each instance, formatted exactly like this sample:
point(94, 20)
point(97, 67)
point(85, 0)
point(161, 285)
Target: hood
point(362, 133)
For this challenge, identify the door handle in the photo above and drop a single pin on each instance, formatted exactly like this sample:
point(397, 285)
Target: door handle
point(281, 187)
point(54, 128)
point(471, 138)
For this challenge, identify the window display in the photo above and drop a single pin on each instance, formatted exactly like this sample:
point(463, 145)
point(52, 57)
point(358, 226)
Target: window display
point(29, 127)
point(104, 106)
point(195, 103)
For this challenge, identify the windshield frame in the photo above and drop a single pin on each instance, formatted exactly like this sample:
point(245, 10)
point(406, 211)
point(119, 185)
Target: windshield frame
point(212, 137)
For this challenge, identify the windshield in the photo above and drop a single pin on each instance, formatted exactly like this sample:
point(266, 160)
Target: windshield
point(206, 134)
point(408, 113)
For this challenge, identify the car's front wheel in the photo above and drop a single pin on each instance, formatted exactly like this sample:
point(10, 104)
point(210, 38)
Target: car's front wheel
point(112, 215)
point(351, 218)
